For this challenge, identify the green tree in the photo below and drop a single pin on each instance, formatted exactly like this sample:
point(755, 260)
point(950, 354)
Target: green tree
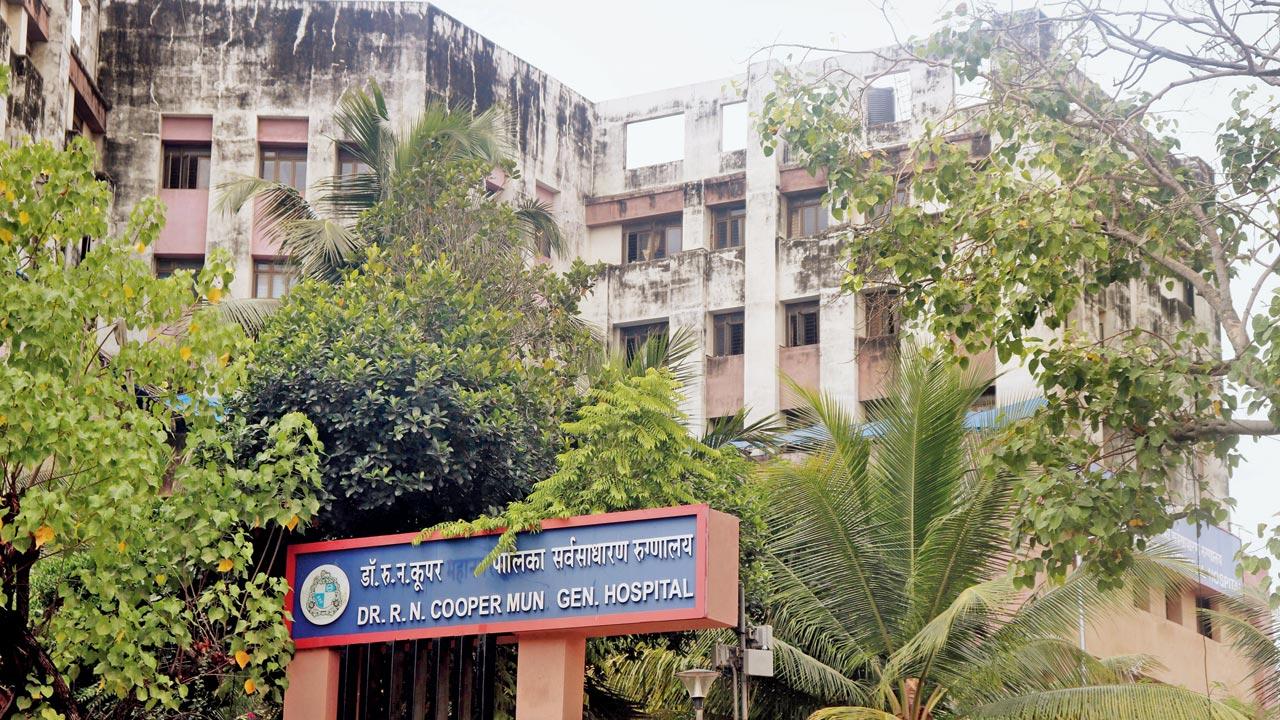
point(1081, 194)
point(427, 407)
point(890, 591)
point(120, 490)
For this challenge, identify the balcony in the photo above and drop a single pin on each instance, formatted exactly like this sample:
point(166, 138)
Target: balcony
point(37, 20)
point(90, 106)
point(802, 365)
point(724, 385)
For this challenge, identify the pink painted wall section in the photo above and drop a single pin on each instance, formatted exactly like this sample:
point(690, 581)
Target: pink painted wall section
point(186, 222)
point(263, 243)
point(724, 385)
point(186, 129)
point(877, 357)
point(313, 685)
point(285, 131)
point(802, 365)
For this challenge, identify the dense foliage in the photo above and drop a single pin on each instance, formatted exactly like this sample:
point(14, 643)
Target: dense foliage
point(1075, 200)
point(427, 409)
point(121, 492)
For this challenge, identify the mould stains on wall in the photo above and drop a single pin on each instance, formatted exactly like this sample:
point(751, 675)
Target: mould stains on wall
point(26, 100)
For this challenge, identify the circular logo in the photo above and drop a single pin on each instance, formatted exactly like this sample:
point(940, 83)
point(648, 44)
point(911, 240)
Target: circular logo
point(325, 593)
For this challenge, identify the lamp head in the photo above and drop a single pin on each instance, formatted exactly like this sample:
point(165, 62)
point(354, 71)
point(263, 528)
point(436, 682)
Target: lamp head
point(698, 683)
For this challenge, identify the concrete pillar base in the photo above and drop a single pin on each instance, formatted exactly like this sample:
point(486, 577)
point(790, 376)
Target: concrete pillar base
point(549, 675)
point(313, 685)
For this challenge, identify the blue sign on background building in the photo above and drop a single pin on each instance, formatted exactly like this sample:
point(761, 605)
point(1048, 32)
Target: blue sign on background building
point(1212, 549)
point(596, 571)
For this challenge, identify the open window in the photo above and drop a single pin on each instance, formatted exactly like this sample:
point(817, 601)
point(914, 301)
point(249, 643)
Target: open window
point(727, 330)
point(186, 166)
point(734, 127)
point(633, 337)
point(652, 240)
point(889, 99)
point(730, 226)
point(655, 141)
point(880, 310)
point(802, 323)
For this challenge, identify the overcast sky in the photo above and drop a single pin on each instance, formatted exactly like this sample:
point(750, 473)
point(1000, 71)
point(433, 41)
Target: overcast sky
point(606, 49)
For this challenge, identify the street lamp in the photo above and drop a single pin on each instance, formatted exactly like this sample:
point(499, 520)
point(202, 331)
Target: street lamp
point(698, 683)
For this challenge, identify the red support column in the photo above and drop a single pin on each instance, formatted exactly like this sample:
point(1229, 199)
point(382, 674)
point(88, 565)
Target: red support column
point(549, 675)
point(313, 686)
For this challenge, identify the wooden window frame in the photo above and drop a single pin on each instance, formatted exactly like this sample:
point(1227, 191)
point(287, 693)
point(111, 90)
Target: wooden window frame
point(347, 162)
point(658, 246)
point(880, 315)
point(798, 328)
point(277, 267)
point(724, 221)
point(797, 205)
point(278, 155)
point(724, 327)
point(166, 265)
point(633, 337)
point(180, 162)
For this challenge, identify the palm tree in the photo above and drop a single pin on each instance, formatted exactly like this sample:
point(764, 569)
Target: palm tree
point(891, 595)
point(323, 237)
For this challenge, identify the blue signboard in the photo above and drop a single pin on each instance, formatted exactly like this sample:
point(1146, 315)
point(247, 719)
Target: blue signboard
point(592, 571)
point(1212, 549)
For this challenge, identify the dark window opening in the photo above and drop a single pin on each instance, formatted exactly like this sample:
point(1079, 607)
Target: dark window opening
point(186, 166)
point(880, 106)
point(1189, 294)
point(881, 311)
point(985, 401)
point(273, 278)
point(635, 336)
point(806, 216)
point(287, 165)
point(730, 226)
point(167, 265)
point(1204, 623)
point(1173, 606)
point(652, 240)
point(802, 324)
point(727, 329)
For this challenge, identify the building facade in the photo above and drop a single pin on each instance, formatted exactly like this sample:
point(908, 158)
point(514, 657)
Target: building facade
point(700, 231)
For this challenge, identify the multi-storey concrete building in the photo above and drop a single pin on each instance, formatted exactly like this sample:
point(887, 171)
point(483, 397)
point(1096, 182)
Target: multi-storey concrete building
point(698, 227)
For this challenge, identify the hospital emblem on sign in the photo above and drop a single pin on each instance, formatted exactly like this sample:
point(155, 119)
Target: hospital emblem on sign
point(325, 593)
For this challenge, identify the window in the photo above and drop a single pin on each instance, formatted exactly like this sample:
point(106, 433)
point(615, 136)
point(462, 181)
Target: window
point(802, 323)
point(652, 240)
point(286, 165)
point(730, 226)
point(1173, 606)
point(889, 99)
point(186, 167)
point(727, 329)
point(734, 127)
point(806, 216)
point(349, 164)
point(273, 278)
point(167, 265)
point(1189, 294)
point(881, 311)
point(635, 336)
point(75, 22)
point(1204, 623)
point(655, 141)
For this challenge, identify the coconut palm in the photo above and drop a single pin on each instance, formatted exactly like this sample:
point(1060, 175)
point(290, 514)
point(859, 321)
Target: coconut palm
point(891, 594)
point(322, 237)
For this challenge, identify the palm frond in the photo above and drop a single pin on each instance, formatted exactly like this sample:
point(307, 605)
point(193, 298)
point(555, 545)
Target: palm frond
point(364, 127)
point(538, 224)
point(322, 248)
point(250, 314)
point(763, 433)
point(1139, 701)
point(852, 713)
point(275, 201)
point(454, 133)
point(804, 673)
point(672, 351)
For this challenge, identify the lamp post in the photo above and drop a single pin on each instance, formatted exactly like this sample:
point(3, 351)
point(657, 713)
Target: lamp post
point(698, 683)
